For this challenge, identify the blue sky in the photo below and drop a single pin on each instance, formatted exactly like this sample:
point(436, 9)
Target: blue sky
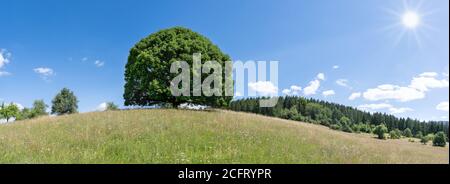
point(83, 45)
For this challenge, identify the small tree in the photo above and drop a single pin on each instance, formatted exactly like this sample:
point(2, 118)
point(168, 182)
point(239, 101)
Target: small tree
point(9, 111)
point(381, 131)
point(424, 140)
point(39, 109)
point(440, 139)
point(394, 135)
point(407, 133)
point(65, 102)
point(110, 106)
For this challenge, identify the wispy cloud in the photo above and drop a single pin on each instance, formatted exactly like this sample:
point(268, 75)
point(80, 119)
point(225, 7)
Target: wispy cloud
point(343, 83)
point(328, 93)
point(354, 96)
point(4, 59)
point(44, 72)
point(292, 91)
point(443, 106)
point(264, 88)
point(99, 63)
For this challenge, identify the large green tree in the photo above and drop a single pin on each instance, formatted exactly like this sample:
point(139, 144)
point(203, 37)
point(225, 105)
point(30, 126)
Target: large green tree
point(148, 76)
point(65, 102)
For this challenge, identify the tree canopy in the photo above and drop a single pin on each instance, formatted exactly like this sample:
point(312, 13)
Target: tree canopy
point(65, 102)
point(9, 111)
point(148, 76)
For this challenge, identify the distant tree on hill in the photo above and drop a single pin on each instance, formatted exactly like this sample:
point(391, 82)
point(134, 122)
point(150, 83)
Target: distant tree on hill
point(9, 111)
point(425, 139)
point(440, 139)
point(381, 131)
point(147, 73)
point(39, 108)
point(110, 106)
point(407, 133)
point(65, 102)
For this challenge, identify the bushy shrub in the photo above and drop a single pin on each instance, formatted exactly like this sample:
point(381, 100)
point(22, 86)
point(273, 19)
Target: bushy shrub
point(381, 131)
point(440, 139)
point(407, 133)
point(394, 135)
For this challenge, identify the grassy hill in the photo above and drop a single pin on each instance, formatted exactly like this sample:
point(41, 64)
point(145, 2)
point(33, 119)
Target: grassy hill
point(180, 136)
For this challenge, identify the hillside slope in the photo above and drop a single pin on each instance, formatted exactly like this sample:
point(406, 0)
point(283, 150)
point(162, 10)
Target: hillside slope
point(179, 136)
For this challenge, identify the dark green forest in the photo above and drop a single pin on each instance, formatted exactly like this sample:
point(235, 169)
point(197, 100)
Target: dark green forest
point(338, 117)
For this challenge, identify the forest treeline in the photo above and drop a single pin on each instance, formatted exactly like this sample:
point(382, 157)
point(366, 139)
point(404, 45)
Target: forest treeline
point(339, 117)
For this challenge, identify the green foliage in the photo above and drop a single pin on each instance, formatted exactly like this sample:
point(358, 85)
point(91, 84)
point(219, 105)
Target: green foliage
point(407, 133)
point(395, 134)
point(425, 139)
point(147, 73)
point(336, 126)
point(419, 135)
point(110, 106)
point(65, 102)
point(9, 111)
point(39, 109)
point(440, 139)
point(381, 131)
point(331, 114)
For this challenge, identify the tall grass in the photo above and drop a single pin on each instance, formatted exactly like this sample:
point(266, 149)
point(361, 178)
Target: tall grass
point(179, 136)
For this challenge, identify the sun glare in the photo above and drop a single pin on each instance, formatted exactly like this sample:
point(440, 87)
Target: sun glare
point(411, 20)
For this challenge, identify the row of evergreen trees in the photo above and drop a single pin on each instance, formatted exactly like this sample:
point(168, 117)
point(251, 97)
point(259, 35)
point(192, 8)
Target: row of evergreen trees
point(337, 116)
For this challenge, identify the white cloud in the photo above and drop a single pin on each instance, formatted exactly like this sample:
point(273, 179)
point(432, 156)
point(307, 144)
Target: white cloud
point(342, 82)
point(428, 74)
point(354, 96)
point(314, 85)
point(416, 90)
point(321, 76)
point(336, 67)
point(427, 81)
point(392, 92)
point(312, 88)
point(99, 63)
point(381, 106)
point(264, 88)
point(293, 90)
point(84, 59)
point(44, 71)
point(4, 59)
point(101, 107)
point(443, 106)
point(237, 94)
point(328, 93)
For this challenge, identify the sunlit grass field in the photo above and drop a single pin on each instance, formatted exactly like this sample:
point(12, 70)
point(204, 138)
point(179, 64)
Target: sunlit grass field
point(182, 136)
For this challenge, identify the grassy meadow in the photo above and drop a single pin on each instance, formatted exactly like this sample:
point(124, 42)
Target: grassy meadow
point(182, 136)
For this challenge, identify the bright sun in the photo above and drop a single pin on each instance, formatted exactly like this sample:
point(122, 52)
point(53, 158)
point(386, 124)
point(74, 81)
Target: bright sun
point(411, 20)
